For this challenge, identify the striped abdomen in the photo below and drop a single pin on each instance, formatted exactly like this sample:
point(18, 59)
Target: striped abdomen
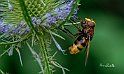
point(78, 45)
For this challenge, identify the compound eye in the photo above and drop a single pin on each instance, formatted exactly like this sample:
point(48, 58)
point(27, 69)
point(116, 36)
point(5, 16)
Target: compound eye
point(91, 23)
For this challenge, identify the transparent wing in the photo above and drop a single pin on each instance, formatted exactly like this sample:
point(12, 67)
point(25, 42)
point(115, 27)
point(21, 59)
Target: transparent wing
point(87, 50)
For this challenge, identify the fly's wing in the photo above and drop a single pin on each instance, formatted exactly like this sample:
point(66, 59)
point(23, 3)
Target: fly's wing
point(87, 50)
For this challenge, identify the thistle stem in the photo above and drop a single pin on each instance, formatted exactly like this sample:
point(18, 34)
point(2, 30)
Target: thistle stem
point(44, 52)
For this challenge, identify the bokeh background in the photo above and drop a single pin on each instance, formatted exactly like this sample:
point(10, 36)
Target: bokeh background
point(107, 46)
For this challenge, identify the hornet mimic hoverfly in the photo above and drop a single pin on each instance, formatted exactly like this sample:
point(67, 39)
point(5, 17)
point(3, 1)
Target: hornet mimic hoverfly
point(84, 36)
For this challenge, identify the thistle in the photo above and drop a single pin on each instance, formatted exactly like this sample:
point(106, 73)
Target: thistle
point(35, 23)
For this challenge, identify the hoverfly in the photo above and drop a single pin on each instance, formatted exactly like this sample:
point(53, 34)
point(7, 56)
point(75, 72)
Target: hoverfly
point(84, 36)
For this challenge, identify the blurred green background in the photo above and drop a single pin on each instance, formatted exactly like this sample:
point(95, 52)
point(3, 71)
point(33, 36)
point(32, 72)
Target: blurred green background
point(107, 46)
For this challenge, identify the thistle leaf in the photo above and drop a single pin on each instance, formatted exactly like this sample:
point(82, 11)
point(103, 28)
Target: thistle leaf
point(57, 45)
point(1, 72)
point(36, 56)
point(53, 33)
point(19, 56)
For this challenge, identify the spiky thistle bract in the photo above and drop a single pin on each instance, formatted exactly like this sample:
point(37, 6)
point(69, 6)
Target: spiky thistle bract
point(34, 22)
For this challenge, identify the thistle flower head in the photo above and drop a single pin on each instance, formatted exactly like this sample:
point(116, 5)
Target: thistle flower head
point(42, 14)
point(35, 21)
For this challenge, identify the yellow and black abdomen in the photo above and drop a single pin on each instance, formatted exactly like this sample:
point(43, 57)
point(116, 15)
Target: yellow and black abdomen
point(78, 45)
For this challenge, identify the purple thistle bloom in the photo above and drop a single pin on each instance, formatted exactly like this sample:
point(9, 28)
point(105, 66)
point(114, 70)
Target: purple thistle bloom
point(27, 30)
point(34, 19)
point(63, 12)
point(38, 21)
point(22, 31)
point(18, 29)
point(51, 18)
point(1, 23)
point(15, 31)
point(6, 28)
point(22, 23)
point(59, 14)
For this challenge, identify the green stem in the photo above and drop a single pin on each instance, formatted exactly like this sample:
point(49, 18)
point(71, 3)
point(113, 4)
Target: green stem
point(27, 16)
point(41, 40)
point(45, 54)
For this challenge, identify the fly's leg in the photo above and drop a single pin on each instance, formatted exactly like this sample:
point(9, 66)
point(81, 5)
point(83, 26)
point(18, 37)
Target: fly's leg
point(70, 33)
point(74, 35)
point(81, 22)
point(78, 27)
